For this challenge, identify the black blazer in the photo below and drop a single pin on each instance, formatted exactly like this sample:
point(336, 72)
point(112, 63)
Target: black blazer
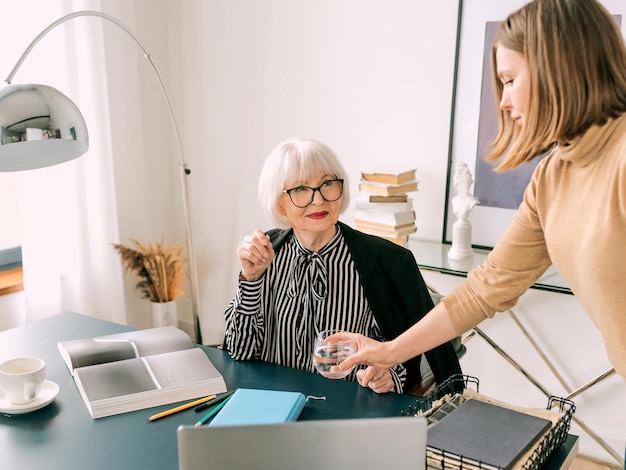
point(396, 292)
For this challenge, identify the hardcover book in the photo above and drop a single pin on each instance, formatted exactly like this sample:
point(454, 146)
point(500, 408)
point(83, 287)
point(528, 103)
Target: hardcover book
point(402, 241)
point(385, 219)
point(366, 204)
point(139, 369)
point(255, 406)
point(388, 189)
point(485, 433)
point(366, 225)
point(388, 176)
point(387, 232)
point(375, 198)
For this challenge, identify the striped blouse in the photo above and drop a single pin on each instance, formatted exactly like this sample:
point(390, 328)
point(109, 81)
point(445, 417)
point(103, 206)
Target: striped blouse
point(277, 317)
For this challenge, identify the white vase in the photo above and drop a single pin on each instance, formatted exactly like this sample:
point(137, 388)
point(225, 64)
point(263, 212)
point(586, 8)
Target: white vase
point(164, 313)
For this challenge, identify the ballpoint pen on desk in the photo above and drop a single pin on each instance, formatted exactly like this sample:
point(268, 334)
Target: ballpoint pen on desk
point(213, 412)
point(219, 399)
point(186, 406)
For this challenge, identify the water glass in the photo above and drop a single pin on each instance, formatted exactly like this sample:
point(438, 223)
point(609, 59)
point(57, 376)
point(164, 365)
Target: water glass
point(326, 356)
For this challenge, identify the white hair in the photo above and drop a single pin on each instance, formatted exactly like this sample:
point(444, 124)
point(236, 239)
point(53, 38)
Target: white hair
point(297, 160)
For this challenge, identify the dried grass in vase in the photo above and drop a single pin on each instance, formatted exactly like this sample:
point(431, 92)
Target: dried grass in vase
point(160, 267)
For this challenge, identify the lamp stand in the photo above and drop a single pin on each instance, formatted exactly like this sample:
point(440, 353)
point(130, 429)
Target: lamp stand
point(184, 170)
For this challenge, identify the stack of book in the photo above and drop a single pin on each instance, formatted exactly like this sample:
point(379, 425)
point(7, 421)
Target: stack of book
point(385, 209)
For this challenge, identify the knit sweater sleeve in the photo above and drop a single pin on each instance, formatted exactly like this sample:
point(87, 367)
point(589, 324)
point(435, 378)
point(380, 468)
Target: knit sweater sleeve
point(518, 260)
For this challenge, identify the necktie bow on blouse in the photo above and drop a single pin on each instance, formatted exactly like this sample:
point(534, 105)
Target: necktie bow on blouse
point(310, 277)
point(309, 273)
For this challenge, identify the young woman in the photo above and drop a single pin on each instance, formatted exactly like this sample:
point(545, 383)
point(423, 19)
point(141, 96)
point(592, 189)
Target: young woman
point(560, 70)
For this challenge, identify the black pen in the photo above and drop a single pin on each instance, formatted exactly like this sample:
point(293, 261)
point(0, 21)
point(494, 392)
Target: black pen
point(215, 401)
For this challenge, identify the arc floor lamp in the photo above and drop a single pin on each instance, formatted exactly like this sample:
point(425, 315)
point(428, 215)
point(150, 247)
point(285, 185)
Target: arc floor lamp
point(40, 127)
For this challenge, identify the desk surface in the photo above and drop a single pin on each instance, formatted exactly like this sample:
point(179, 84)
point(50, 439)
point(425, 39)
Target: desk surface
point(63, 434)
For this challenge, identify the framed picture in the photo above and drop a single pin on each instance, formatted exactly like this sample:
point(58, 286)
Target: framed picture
point(474, 123)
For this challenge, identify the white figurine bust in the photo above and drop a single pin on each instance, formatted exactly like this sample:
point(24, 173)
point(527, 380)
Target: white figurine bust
point(462, 205)
point(463, 202)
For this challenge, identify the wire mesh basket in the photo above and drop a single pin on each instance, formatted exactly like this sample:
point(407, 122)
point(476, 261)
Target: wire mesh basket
point(450, 395)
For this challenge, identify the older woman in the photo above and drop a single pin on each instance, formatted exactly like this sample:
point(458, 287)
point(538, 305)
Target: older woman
point(315, 273)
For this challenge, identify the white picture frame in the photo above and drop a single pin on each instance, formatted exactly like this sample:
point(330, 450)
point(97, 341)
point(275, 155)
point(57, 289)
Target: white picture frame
point(474, 122)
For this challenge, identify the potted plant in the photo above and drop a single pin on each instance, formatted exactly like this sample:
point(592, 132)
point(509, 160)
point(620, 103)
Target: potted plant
point(161, 270)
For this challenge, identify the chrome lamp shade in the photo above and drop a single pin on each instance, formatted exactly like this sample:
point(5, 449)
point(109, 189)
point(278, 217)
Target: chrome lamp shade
point(39, 127)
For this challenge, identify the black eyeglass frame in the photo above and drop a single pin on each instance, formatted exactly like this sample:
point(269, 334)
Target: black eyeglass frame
point(318, 189)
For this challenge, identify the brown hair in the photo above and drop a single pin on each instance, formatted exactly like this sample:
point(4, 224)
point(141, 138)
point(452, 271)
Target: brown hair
point(577, 68)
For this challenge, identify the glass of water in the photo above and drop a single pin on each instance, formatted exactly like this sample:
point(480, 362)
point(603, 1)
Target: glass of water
point(326, 356)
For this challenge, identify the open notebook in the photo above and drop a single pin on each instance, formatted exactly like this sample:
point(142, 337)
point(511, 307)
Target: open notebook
point(371, 443)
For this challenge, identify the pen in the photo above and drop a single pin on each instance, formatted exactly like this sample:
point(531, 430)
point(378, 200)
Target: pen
point(181, 408)
point(219, 399)
point(212, 413)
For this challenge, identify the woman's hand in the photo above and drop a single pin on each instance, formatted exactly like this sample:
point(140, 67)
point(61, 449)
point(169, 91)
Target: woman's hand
point(434, 329)
point(368, 351)
point(255, 255)
point(379, 380)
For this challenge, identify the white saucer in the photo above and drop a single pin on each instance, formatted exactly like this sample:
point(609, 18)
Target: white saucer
point(47, 393)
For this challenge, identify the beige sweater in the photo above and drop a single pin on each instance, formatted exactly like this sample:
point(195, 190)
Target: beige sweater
point(573, 216)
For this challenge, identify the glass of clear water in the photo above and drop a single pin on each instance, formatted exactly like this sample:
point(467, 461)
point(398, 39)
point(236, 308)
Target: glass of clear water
point(326, 356)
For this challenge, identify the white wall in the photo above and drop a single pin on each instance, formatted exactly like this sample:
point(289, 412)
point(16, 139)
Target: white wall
point(373, 79)
point(12, 310)
point(9, 216)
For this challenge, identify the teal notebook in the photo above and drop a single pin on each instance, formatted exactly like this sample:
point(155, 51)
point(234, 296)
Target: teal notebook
point(255, 406)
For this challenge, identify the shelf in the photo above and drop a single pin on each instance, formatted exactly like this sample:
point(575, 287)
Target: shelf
point(433, 255)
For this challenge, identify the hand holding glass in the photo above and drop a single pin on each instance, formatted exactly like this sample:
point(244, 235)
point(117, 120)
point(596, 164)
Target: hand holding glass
point(327, 355)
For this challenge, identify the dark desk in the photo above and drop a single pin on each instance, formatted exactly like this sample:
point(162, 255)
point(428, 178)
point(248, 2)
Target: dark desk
point(63, 435)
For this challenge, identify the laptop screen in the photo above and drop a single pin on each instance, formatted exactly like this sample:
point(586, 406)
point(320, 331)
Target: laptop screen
point(371, 443)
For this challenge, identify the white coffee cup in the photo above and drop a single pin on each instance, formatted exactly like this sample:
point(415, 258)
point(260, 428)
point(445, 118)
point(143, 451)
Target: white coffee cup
point(21, 378)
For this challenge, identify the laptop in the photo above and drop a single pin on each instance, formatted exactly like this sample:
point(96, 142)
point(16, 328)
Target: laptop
point(370, 443)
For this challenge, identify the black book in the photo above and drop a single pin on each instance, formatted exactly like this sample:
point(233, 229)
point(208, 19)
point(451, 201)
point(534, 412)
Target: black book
point(485, 433)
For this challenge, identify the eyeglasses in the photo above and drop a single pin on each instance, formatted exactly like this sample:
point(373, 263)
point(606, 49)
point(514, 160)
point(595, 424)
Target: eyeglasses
point(302, 196)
